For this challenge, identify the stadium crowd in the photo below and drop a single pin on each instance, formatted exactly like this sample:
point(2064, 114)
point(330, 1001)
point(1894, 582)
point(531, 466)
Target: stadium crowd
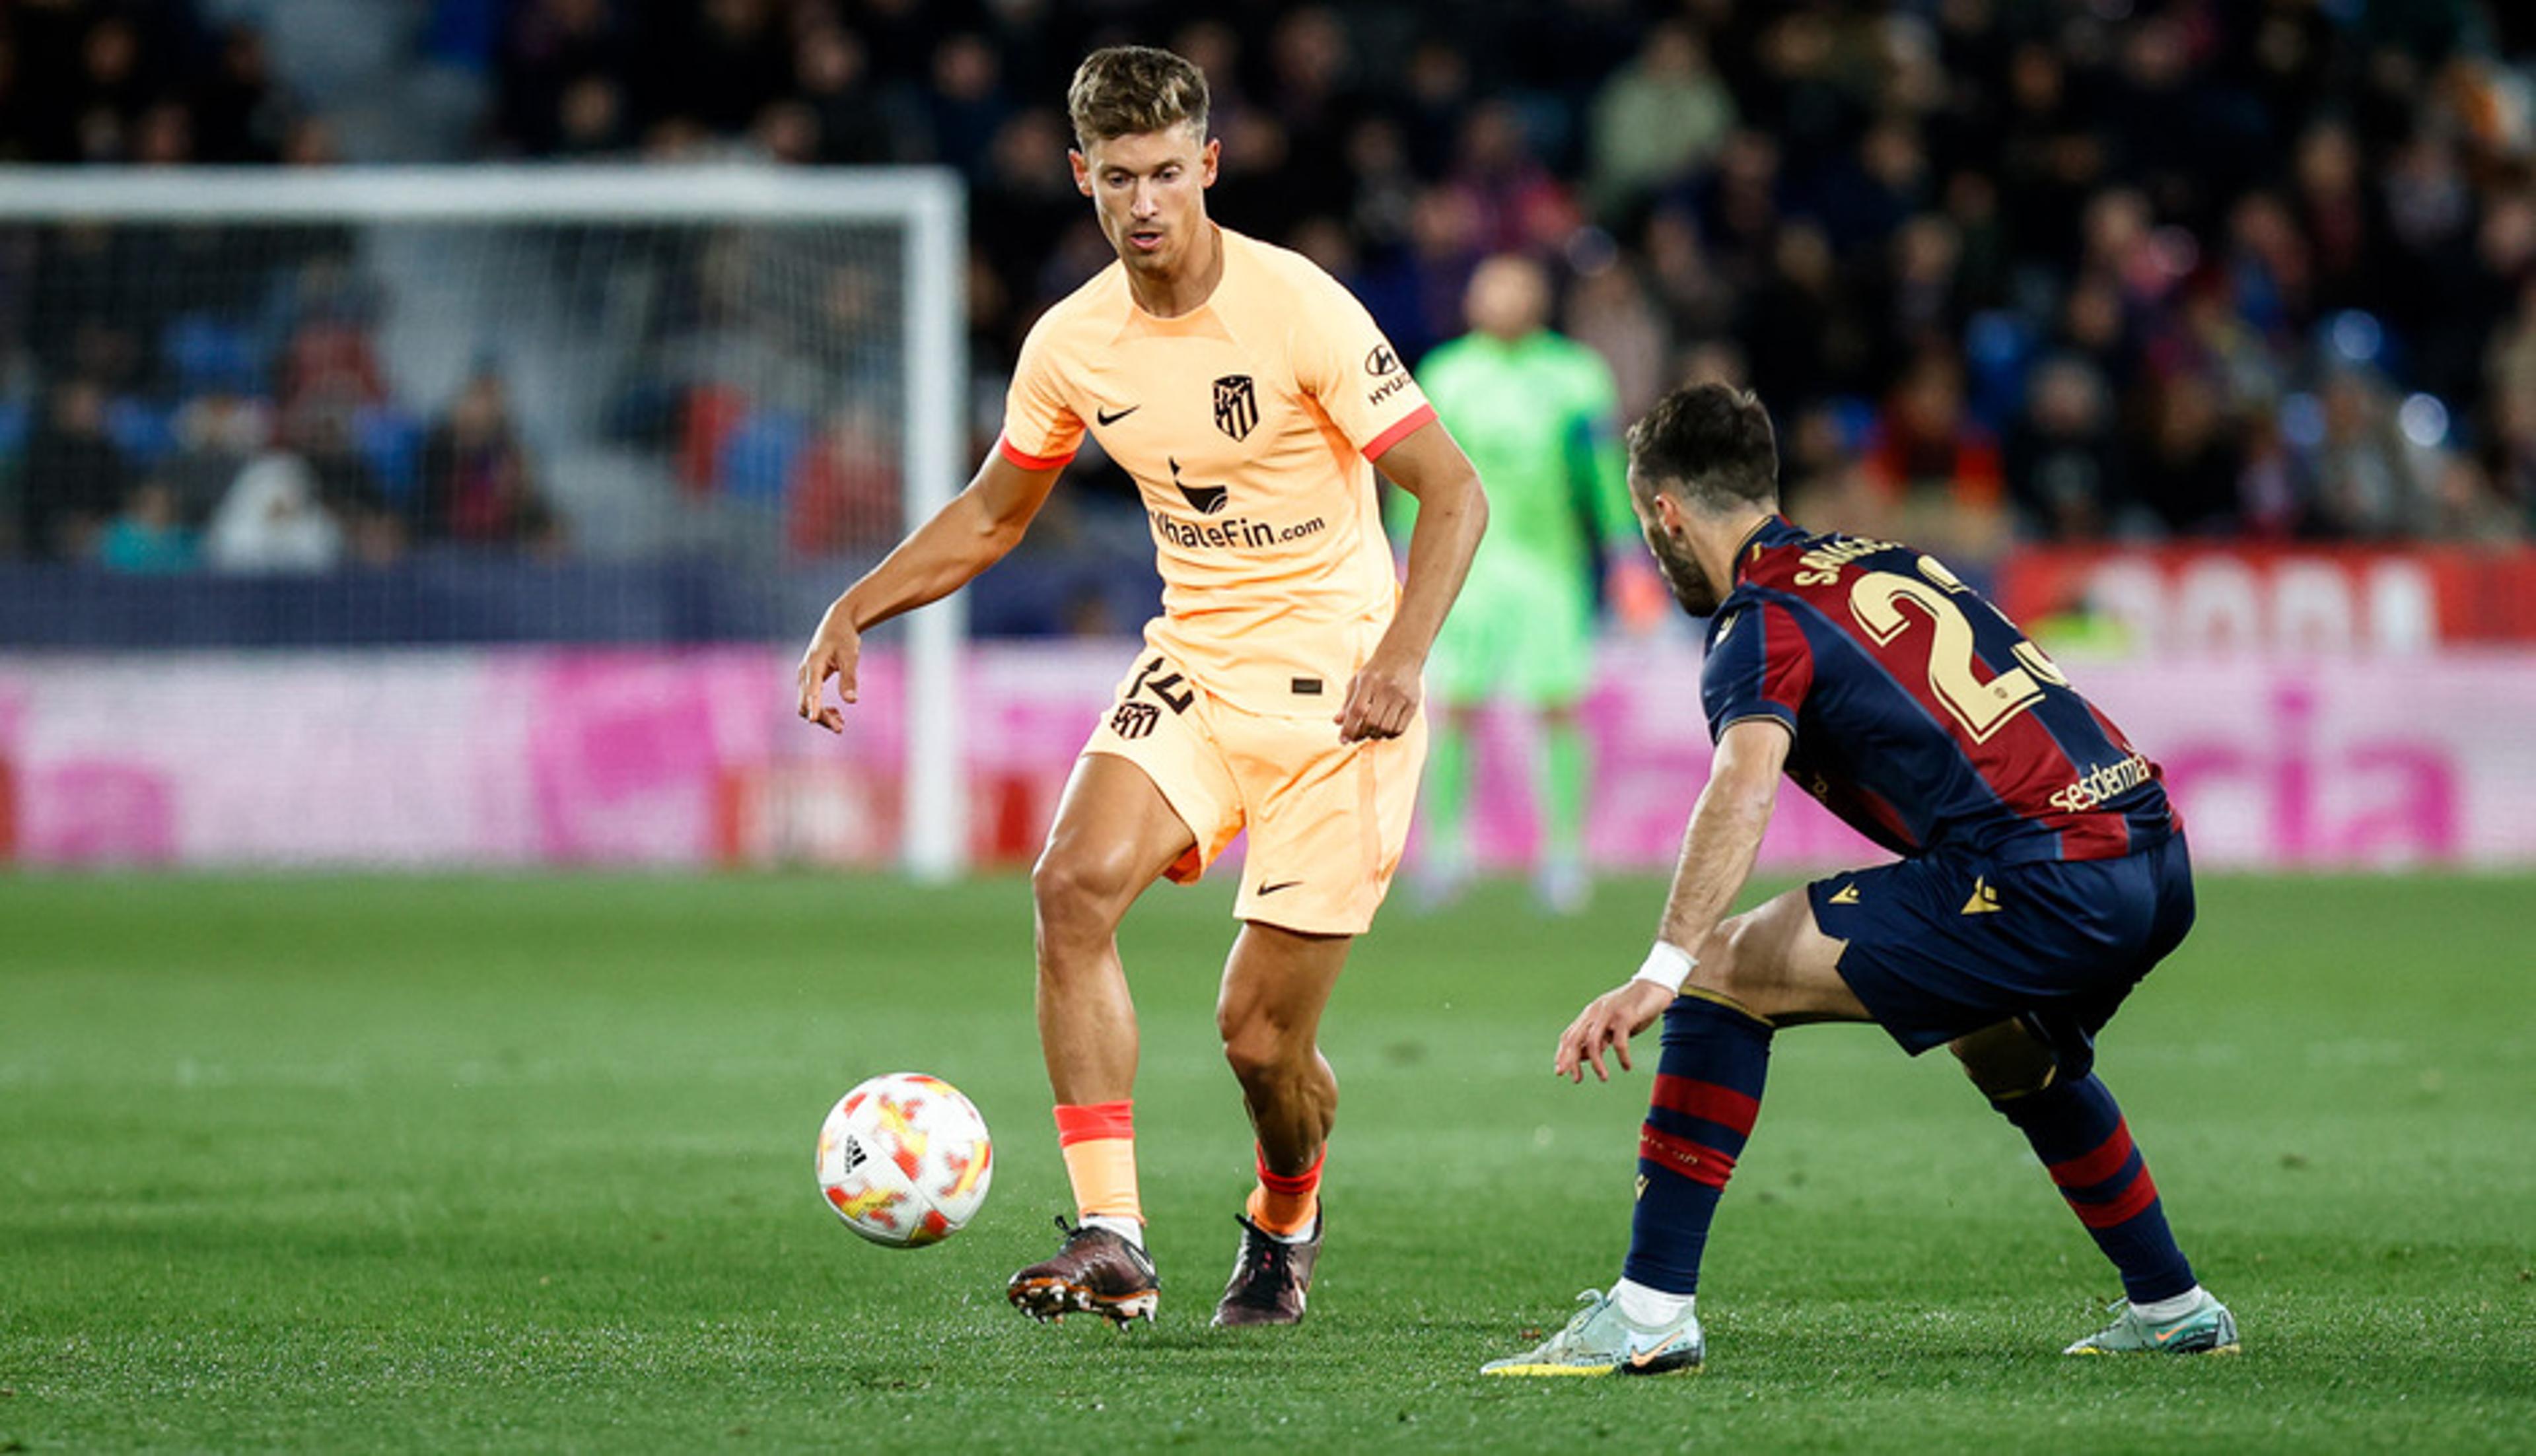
point(2062, 269)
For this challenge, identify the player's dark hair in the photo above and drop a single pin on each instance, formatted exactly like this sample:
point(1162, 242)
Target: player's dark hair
point(1710, 445)
point(1124, 91)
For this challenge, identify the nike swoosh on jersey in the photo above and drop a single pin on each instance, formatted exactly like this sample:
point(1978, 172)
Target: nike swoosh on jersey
point(1280, 885)
point(1108, 418)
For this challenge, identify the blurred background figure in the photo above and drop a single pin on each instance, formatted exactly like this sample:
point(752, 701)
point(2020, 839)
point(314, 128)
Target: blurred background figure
point(1937, 219)
point(476, 484)
point(1536, 414)
point(149, 535)
point(274, 523)
point(74, 476)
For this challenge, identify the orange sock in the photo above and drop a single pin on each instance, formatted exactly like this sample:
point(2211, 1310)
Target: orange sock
point(1287, 1206)
point(1099, 1140)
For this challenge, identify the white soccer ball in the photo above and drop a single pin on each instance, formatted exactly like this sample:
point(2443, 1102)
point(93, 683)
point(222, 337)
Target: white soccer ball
point(904, 1160)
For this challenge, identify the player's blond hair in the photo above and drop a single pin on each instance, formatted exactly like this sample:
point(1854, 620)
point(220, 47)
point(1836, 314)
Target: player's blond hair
point(1125, 91)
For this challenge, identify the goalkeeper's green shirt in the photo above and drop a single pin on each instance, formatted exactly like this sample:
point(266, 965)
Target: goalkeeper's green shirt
point(1540, 420)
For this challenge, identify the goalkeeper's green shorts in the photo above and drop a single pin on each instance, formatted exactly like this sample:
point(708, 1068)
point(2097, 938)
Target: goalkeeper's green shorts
point(1519, 631)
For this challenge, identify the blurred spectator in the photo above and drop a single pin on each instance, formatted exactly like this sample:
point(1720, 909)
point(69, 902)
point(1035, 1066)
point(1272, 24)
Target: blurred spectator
point(1935, 471)
point(217, 435)
point(565, 61)
point(1518, 205)
point(2367, 487)
point(330, 352)
point(148, 535)
point(1311, 60)
point(2192, 463)
point(1695, 302)
point(318, 432)
point(728, 63)
point(2272, 490)
point(2062, 459)
point(2148, 246)
point(239, 114)
point(843, 493)
point(1665, 115)
point(1826, 487)
point(1799, 333)
point(477, 483)
point(1609, 312)
point(836, 84)
point(2465, 506)
point(968, 101)
point(73, 477)
point(272, 523)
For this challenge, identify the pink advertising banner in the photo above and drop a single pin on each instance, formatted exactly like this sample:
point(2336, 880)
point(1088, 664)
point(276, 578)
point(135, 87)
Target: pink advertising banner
point(550, 757)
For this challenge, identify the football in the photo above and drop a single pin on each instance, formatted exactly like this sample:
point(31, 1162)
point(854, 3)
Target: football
point(904, 1160)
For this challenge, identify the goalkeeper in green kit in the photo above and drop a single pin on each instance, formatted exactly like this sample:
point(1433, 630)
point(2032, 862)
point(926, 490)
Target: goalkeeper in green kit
point(1539, 416)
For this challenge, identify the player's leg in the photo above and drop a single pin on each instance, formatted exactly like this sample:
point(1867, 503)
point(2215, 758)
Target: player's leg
point(1768, 968)
point(1276, 985)
point(1327, 827)
point(1445, 860)
point(1463, 669)
point(1760, 971)
point(1114, 835)
point(1549, 672)
point(2078, 1131)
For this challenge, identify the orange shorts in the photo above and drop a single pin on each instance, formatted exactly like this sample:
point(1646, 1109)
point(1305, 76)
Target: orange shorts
point(1327, 820)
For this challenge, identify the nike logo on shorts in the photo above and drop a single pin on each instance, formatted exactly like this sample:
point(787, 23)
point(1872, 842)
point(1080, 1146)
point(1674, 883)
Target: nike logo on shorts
point(1280, 885)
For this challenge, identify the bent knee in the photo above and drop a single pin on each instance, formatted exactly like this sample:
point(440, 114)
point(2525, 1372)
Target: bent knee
point(1263, 1053)
point(1074, 890)
point(1731, 967)
point(2004, 1062)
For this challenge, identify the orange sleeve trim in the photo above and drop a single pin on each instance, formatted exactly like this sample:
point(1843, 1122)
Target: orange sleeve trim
point(1408, 427)
point(1029, 462)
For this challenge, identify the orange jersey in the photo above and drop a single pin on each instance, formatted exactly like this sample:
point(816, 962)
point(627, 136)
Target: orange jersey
point(1249, 424)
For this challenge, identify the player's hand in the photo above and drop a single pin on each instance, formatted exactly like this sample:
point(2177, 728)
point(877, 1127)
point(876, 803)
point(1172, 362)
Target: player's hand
point(1640, 599)
point(1607, 1023)
point(1383, 699)
point(834, 651)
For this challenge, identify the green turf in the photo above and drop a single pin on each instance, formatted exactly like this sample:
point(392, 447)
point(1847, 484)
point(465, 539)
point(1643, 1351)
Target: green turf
point(470, 1164)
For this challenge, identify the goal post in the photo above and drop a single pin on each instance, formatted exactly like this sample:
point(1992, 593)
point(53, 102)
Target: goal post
point(596, 234)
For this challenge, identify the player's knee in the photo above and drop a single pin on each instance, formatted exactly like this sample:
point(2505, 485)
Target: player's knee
point(1074, 892)
point(1258, 1054)
point(1730, 967)
point(2004, 1062)
point(1256, 1046)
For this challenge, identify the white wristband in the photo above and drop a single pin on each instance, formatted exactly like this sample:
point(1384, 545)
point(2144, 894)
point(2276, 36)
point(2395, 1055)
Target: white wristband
point(1667, 966)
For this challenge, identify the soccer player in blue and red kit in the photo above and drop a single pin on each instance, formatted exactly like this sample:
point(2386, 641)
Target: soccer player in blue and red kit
point(2043, 873)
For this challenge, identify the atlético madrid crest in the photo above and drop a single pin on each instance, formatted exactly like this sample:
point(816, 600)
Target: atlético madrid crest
point(1236, 406)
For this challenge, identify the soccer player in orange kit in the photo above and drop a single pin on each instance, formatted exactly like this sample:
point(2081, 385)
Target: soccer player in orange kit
point(1249, 394)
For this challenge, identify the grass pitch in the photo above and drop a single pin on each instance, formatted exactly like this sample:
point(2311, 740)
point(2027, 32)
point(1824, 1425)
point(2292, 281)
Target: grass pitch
point(525, 1165)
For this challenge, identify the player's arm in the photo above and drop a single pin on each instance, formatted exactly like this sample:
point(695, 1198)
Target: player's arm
point(1598, 463)
point(963, 538)
point(1717, 854)
point(1452, 514)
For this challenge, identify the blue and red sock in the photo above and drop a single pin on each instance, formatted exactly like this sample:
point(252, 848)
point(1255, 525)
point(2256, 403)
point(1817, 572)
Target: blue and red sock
point(1707, 1092)
point(2078, 1132)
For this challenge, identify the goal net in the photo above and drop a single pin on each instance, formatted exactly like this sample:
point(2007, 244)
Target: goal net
point(340, 412)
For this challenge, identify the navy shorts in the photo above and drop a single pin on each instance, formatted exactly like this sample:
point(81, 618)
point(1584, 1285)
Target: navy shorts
point(1948, 943)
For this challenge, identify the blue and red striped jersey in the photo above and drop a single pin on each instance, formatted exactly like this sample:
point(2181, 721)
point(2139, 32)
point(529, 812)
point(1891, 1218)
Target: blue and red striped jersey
point(1922, 715)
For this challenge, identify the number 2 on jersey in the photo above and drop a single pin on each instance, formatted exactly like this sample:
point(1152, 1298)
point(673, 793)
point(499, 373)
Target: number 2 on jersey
point(1983, 708)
